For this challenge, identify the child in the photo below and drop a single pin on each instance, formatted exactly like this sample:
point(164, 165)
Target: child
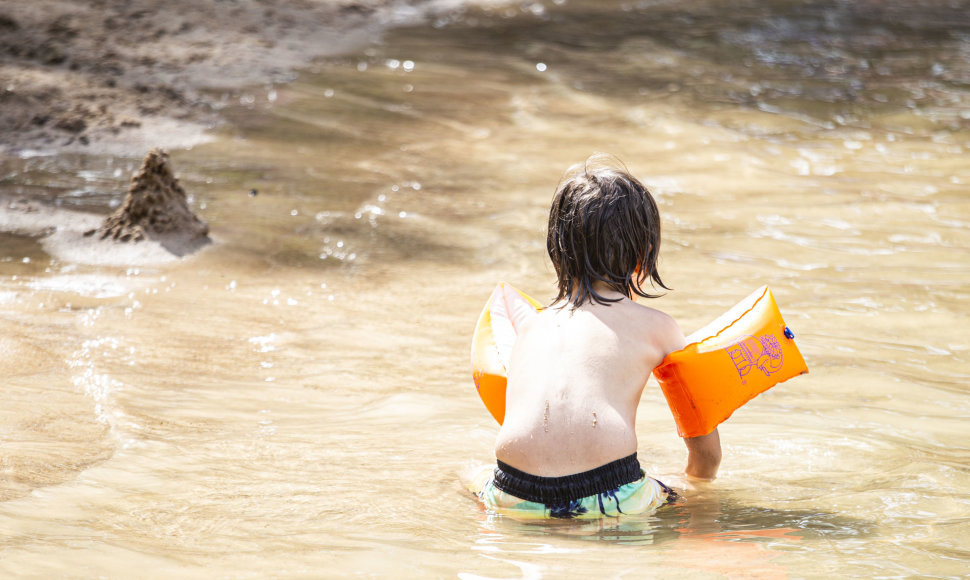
point(568, 445)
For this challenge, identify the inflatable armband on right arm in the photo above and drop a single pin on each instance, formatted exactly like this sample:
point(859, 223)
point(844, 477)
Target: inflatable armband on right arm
point(743, 353)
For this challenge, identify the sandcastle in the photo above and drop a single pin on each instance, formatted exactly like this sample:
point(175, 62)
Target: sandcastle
point(156, 208)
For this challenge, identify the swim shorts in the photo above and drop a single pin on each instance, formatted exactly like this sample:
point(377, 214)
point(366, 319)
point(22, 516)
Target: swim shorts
point(617, 488)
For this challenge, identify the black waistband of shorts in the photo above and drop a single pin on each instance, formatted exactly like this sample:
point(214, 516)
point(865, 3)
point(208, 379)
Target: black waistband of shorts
point(554, 490)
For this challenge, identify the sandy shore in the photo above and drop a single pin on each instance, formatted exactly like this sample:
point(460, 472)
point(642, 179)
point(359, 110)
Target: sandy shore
point(121, 76)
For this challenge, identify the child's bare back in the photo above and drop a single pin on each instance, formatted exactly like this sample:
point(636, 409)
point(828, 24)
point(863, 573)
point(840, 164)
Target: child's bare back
point(574, 384)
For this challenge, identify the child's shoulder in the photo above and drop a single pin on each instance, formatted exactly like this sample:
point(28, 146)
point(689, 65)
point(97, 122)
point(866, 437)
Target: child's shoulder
point(657, 326)
point(641, 310)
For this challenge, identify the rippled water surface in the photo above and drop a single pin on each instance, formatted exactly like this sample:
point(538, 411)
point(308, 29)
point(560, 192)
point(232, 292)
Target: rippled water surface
point(295, 400)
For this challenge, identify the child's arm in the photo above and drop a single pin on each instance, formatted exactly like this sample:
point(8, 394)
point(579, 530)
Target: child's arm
point(704, 452)
point(703, 455)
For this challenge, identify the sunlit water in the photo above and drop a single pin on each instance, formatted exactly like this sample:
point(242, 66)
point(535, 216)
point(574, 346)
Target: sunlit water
point(295, 400)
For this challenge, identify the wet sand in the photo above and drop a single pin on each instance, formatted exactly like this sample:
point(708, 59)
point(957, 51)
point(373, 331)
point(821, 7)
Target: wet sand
point(122, 76)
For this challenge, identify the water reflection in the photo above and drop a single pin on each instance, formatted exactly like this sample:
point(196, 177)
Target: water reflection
point(831, 63)
point(710, 515)
point(709, 532)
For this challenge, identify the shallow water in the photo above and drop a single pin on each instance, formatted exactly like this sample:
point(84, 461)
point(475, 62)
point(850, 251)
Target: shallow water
point(295, 400)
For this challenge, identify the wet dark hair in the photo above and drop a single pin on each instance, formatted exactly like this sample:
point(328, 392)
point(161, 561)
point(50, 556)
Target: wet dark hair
point(603, 226)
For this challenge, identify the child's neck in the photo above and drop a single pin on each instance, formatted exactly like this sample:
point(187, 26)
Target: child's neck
point(607, 291)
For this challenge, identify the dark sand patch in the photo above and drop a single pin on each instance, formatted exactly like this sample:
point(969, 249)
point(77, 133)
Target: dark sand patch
point(122, 76)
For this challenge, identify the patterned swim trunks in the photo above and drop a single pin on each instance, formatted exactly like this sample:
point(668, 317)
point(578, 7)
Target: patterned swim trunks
point(617, 488)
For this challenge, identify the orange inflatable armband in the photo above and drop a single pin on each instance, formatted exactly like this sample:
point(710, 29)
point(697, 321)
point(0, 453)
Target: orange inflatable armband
point(498, 326)
point(743, 353)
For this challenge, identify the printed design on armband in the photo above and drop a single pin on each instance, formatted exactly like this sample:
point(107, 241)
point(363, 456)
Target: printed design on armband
point(756, 352)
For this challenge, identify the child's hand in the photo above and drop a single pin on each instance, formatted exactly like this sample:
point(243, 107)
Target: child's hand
point(703, 456)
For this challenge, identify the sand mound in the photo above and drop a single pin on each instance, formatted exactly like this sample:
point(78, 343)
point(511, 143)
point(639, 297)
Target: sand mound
point(156, 208)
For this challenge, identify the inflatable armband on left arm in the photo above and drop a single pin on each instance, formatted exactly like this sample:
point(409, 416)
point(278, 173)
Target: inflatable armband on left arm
point(498, 326)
